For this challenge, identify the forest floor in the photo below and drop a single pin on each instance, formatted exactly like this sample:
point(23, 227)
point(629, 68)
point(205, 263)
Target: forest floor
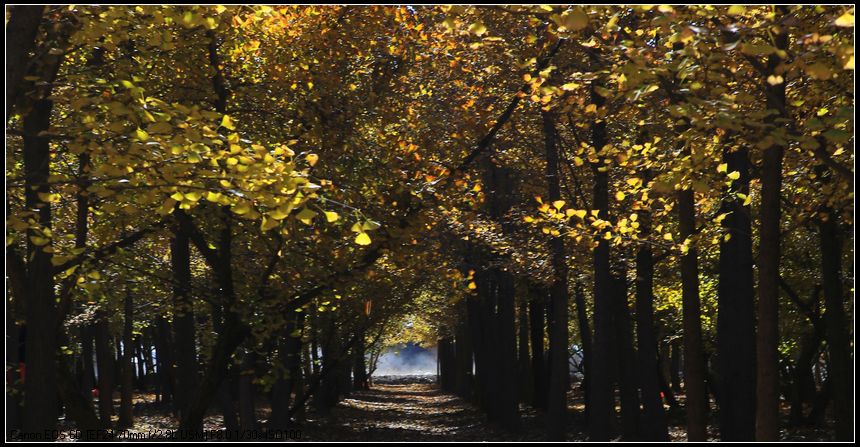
point(415, 412)
point(414, 409)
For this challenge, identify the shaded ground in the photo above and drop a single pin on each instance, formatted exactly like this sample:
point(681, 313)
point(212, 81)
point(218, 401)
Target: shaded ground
point(413, 408)
point(413, 412)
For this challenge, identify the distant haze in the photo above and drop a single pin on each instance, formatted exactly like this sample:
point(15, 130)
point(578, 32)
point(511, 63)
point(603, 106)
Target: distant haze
point(406, 359)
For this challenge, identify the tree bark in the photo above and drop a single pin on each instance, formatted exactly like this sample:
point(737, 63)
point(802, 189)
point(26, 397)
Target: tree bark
point(736, 353)
point(40, 392)
point(694, 356)
point(559, 370)
point(523, 358)
point(537, 311)
point(840, 371)
point(600, 413)
point(654, 426)
point(126, 416)
point(767, 336)
point(21, 31)
point(104, 360)
point(185, 350)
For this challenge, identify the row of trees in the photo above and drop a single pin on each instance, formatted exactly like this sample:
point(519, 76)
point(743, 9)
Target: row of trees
point(257, 194)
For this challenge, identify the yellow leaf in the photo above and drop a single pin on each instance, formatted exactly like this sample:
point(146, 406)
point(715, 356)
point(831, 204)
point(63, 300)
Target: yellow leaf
point(845, 20)
point(734, 175)
point(619, 196)
point(558, 204)
point(736, 10)
point(362, 239)
point(268, 224)
point(39, 241)
point(477, 29)
point(472, 285)
point(774, 80)
point(241, 208)
point(722, 167)
point(331, 216)
point(177, 196)
point(369, 225)
point(306, 215)
point(573, 19)
point(312, 159)
point(668, 236)
point(569, 86)
point(141, 134)
point(227, 123)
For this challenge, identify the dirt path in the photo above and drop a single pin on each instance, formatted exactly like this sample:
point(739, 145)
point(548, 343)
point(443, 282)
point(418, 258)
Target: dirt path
point(411, 412)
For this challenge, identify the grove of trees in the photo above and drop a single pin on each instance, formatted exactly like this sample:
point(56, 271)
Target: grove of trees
point(238, 206)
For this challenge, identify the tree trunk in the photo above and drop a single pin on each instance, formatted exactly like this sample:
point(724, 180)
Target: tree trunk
point(654, 426)
point(509, 415)
point(463, 352)
point(626, 360)
point(359, 368)
point(185, 354)
point(105, 363)
point(247, 409)
point(21, 31)
point(840, 371)
point(523, 358)
point(40, 392)
point(600, 413)
point(694, 356)
point(736, 353)
point(559, 370)
point(537, 310)
point(585, 338)
point(126, 416)
point(767, 336)
point(164, 361)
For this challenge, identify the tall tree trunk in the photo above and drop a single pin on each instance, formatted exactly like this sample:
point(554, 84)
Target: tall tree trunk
point(694, 356)
point(359, 368)
point(767, 336)
point(126, 417)
point(585, 338)
point(601, 411)
point(229, 387)
point(626, 360)
point(40, 392)
point(463, 352)
point(736, 353)
point(21, 31)
point(445, 357)
point(185, 350)
point(537, 311)
point(654, 426)
point(523, 358)
point(840, 371)
point(105, 363)
point(290, 347)
point(247, 409)
point(559, 369)
point(164, 361)
point(509, 402)
point(88, 379)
